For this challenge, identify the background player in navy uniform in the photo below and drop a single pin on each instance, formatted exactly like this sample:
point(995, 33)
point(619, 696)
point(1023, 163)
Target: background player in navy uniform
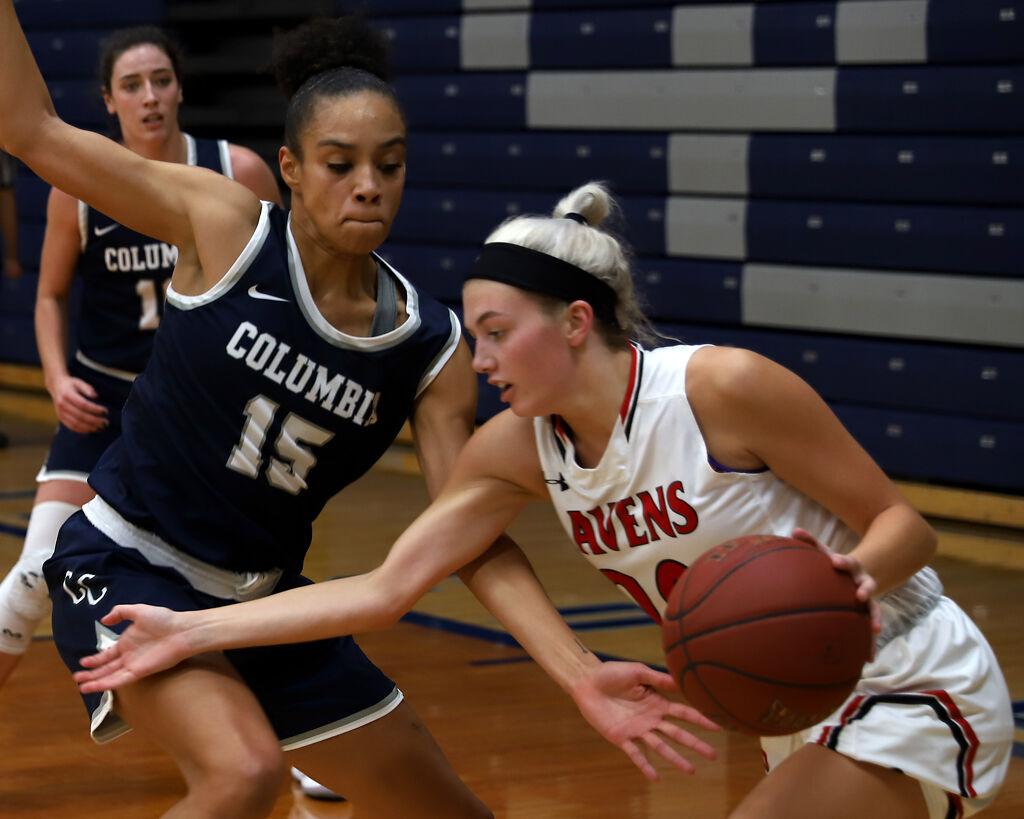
point(124, 274)
point(595, 423)
point(288, 359)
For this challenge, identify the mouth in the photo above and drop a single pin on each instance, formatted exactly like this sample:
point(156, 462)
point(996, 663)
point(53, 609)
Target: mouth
point(153, 119)
point(505, 389)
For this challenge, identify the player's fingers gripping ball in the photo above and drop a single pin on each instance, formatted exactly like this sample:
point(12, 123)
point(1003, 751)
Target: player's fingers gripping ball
point(764, 636)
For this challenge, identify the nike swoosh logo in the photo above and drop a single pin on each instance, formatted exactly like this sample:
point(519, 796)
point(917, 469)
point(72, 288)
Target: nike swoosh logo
point(103, 231)
point(256, 294)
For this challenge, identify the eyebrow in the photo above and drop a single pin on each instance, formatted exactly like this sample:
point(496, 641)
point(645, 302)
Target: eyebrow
point(137, 74)
point(337, 143)
point(486, 315)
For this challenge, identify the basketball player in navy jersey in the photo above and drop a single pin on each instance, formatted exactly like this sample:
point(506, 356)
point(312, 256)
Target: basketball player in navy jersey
point(289, 357)
point(650, 458)
point(124, 274)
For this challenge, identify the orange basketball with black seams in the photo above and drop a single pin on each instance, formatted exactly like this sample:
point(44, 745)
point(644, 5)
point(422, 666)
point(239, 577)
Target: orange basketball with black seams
point(764, 636)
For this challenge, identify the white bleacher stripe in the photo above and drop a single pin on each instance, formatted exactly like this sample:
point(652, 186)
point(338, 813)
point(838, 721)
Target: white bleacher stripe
point(713, 35)
point(706, 227)
point(882, 31)
point(778, 99)
point(708, 164)
point(491, 41)
point(885, 303)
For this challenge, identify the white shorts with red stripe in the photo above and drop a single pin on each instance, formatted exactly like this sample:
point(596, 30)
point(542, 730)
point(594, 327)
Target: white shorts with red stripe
point(934, 705)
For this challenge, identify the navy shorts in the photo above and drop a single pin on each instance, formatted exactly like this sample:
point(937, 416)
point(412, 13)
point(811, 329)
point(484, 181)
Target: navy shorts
point(309, 691)
point(73, 455)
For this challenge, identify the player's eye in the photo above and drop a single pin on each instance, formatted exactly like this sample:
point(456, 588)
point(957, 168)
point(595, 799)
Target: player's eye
point(339, 167)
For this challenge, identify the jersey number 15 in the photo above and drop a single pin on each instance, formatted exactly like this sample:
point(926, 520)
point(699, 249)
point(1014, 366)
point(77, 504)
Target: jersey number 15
point(289, 470)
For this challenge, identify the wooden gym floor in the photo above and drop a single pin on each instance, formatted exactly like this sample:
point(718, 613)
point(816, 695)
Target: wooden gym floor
point(509, 732)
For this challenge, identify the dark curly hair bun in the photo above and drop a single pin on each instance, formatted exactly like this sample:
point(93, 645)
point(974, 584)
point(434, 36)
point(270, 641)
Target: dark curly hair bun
point(328, 43)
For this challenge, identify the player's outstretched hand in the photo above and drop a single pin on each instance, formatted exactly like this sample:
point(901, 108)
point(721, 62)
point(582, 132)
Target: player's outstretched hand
point(154, 642)
point(866, 585)
point(624, 703)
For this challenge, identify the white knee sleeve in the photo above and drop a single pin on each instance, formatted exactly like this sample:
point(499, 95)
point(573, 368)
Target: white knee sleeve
point(23, 597)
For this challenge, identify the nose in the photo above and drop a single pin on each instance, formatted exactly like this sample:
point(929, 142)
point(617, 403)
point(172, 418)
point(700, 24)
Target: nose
point(483, 361)
point(367, 186)
point(149, 98)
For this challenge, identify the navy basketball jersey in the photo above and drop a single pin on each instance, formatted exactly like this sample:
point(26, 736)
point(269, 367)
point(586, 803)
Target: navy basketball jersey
point(124, 276)
point(254, 410)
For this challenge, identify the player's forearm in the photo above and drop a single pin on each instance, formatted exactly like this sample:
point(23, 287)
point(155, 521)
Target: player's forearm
point(25, 103)
point(50, 327)
point(504, 582)
point(897, 544)
point(349, 605)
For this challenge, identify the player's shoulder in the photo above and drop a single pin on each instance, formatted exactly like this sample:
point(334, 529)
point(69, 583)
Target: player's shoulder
point(245, 160)
point(725, 371)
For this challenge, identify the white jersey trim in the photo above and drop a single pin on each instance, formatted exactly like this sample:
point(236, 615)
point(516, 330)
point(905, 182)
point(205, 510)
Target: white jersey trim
point(234, 273)
point(202, 576)
point(58, 475)
point(83, 224)
point(191, 154)
point(225, 158)
point(450, 346)
point(113, 372)
point(346, 724)
point(327, 331)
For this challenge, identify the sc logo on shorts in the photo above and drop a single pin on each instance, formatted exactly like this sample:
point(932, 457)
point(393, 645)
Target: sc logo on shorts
point(80, 589)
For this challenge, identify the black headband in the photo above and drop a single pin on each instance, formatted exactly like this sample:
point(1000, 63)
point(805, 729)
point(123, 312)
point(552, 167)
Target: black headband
point(538, 272)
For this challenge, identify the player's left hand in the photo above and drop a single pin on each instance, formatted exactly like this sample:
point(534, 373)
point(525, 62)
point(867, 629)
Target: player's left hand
point(155, 641)
point(622, 701)
point(866, 585)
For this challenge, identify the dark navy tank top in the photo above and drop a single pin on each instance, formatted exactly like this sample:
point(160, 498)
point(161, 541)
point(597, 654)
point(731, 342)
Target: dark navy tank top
point(124, 278)
point(254, 410)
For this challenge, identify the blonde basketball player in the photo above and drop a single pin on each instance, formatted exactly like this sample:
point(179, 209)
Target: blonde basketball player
point(650, 458)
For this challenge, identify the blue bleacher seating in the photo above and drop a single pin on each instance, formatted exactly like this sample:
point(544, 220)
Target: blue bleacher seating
point(957, 380)
point(538, 160)
point(601, 39)
point(887, 168)
point(42, 14)
point(451, 216)
point(930, 99)
point(472, 101)
point(67, 54)
point(945, 449)
point(422, 43)
point(79, 102)
point(979, 31)
point(794, 33)
point(912, 237)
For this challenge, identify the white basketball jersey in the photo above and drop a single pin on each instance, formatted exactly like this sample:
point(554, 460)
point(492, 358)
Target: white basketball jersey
point(657, 501)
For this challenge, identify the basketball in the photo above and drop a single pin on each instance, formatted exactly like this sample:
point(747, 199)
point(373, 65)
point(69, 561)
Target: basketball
point(764, 636)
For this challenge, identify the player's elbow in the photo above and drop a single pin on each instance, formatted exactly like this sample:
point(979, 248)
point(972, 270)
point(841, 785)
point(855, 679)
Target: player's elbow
point(392, 599)
point(26, 136)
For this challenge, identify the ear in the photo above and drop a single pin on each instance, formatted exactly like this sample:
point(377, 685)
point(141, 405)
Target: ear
point(108, 102)
point(579, 322)
point(290, 167)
